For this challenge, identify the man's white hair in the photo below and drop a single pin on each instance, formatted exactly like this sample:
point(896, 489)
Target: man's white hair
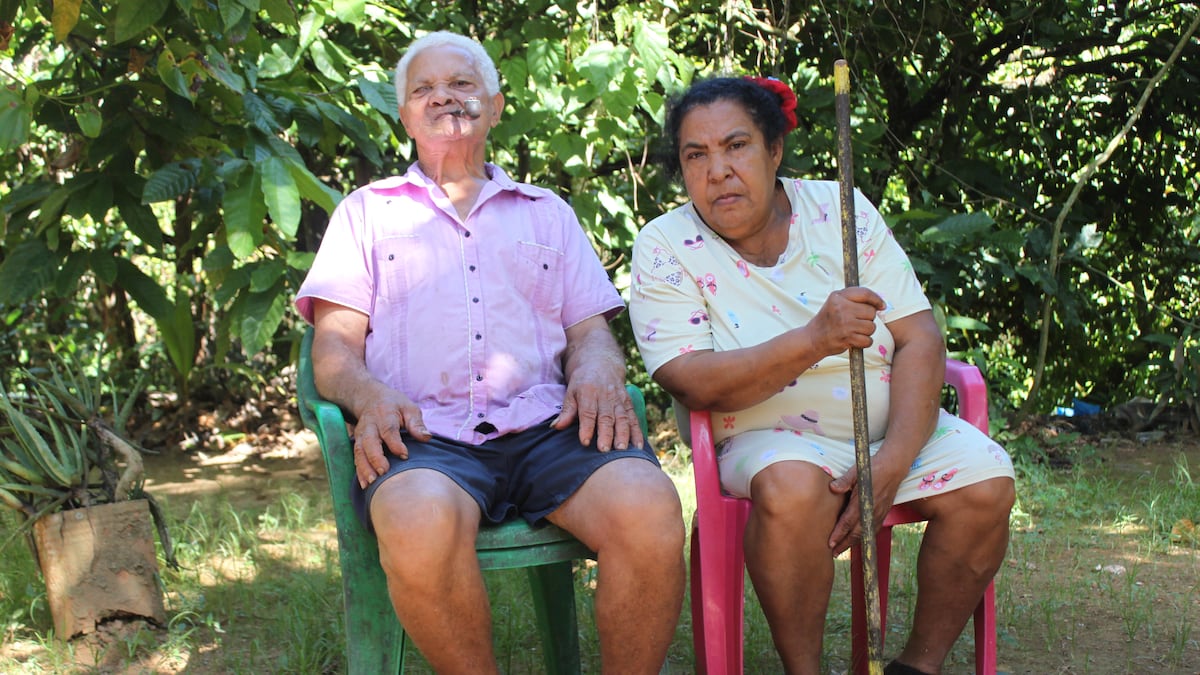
point(479, 59)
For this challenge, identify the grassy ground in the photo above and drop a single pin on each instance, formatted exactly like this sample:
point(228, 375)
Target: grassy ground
point(1095, 580)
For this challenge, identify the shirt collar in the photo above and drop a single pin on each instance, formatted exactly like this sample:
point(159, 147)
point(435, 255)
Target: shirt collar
point(415, 177)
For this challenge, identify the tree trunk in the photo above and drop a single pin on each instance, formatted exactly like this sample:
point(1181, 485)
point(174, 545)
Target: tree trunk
point(99, 563)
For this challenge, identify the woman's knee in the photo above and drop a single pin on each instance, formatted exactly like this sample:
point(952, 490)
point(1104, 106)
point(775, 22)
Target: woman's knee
point(995, 496)
point(793, 489)
point(988, 501)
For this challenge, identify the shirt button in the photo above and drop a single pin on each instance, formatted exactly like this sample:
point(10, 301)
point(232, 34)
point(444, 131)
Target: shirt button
point(545, 266)
point(479, 415)
point(479, 378)
point(474, 299)
point(391, 256)
point(466, 234)
point(478, 336)
point(472, 268)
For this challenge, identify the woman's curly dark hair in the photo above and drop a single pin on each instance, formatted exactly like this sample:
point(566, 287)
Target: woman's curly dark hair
point(765, 108)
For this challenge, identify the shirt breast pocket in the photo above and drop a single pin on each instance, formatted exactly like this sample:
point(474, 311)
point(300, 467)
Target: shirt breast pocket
point(537, 272)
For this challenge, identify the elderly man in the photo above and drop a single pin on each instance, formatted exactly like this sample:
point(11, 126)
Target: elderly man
point(462, 320)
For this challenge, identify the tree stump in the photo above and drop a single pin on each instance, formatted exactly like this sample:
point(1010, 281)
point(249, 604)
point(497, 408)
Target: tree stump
point(99, 563)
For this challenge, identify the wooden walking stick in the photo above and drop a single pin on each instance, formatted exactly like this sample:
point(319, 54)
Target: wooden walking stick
point(858, 378)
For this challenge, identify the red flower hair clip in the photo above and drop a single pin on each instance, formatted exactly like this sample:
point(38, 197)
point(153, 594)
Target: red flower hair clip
point(787, 97)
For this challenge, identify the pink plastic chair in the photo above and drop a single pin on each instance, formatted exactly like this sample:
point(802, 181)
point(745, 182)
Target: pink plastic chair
point(718, 561)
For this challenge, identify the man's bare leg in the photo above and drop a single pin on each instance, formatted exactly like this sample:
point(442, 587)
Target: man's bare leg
point(788, 557)
point(426, 526)
point(628, 512)
point(964, 544)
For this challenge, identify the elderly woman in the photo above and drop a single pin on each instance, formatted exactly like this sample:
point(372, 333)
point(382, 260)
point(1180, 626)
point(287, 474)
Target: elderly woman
point(461, 318)
point(739, 308)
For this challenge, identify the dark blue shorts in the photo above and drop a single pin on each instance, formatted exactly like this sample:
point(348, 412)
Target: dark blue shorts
point(530, 473)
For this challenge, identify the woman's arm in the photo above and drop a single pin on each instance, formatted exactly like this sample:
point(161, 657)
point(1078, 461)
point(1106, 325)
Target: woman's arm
point(740, 378)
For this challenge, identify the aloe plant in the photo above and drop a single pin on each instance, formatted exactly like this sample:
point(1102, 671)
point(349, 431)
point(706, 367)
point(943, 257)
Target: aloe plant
point(59, 450)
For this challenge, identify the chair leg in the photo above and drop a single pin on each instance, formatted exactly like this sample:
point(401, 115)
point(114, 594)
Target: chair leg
point(699, 635)
point(718, 599)
point(984, 619)
point(553, 588)
point(985, 632)
point(375, 641)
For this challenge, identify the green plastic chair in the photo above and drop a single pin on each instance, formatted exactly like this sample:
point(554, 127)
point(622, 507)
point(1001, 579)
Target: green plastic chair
point(375, 641)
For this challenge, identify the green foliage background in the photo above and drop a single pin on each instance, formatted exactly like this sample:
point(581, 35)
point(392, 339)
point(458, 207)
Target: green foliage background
point(167, 166)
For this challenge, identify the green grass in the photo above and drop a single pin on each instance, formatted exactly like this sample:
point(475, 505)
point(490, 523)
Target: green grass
point(258, 588)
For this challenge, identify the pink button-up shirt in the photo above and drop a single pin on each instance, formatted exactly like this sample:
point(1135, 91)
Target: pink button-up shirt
point(468, 319)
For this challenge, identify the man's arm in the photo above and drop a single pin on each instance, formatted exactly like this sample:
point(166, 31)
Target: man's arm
point(340, 371)
point(594, 368)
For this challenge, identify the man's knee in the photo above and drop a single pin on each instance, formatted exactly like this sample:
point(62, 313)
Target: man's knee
point(629, 501)
point(423, 513)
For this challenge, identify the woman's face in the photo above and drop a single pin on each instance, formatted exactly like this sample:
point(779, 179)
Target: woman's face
point(728, 169)
point(439, 80)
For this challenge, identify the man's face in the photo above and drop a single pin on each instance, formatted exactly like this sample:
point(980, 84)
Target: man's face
point(439, 80)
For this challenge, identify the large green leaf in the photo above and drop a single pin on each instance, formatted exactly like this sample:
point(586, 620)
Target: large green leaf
point(15, 117)
point(87, 115)
point(312, 189)
point(349, 11)
point(135, 16)
point(959, 227)
point(219, 68)
point(231, 11)
point(179, 334)
point(103, 265)
point(652, 43)
point(545, 59)
point(258, 113)
point(63, 17)
point(599, 62)
point(263, 312)
point(328, 61)
point(140, 220)
point(267, 274)
point(144, 290)
point(355, 129)
point(245, 212)
point(169, 182)
point(280, 194)
point(26, 270)
point(381, 96)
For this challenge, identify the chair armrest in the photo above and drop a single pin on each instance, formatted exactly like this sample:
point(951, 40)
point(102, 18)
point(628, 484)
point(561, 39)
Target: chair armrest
point(704, 458)
point(328, 422)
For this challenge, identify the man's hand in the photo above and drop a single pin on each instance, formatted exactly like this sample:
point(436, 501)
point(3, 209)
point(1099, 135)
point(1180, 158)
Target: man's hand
point(604, 411)
point(378, 428)
point(595, 370)
point(341, 376)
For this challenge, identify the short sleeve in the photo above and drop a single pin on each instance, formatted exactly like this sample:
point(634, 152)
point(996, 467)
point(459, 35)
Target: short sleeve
point(341, 271)
point(587, 289)
point(666, 307)
point(884, 267)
